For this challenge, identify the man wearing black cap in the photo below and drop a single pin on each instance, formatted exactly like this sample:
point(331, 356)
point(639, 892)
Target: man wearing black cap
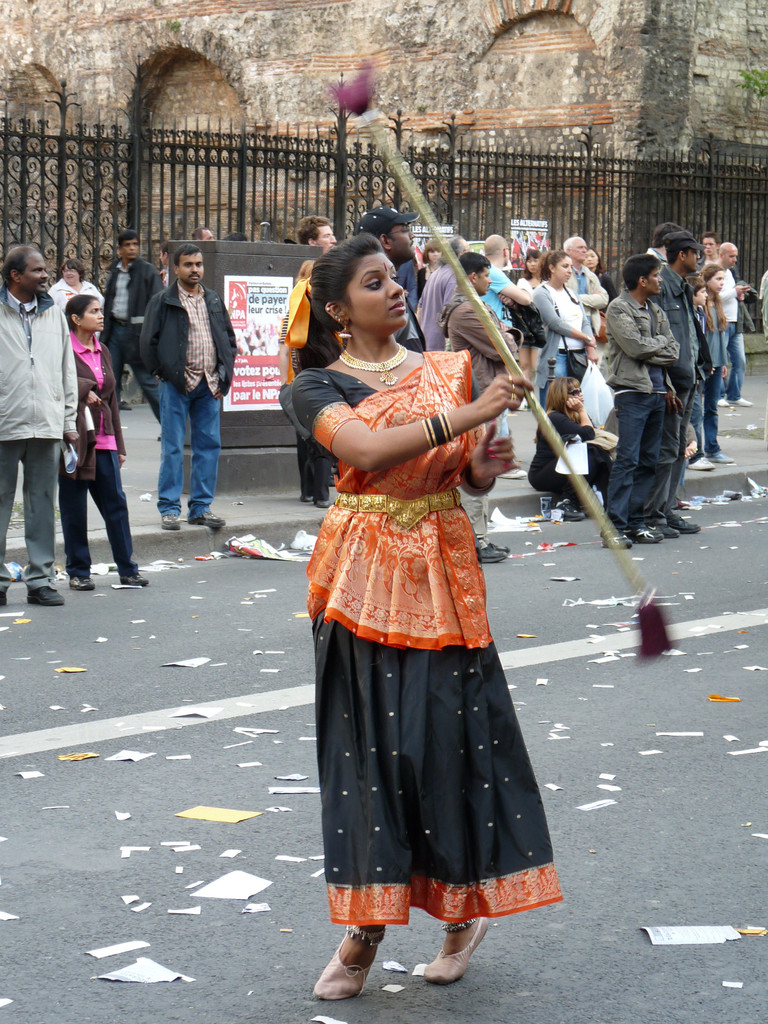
point(391, 228)
point(676, 299)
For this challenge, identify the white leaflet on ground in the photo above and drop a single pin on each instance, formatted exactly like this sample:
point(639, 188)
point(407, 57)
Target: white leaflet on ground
point(393, 965)
point(5, 916)
point(552, 786)
point(316, 874)
point(139, 907)
point(277, 810)
point(732, 739)
point(128, 755)
point(186, 663)
point(286, 790)
point(328, 1020)
point(606, 777)
point(178, 757)
point(256, 908)
point(733, 984)
point(196, 713)
point(646, 753)
point(193, 885)
point(253, 733)
point(292, 778)
point(250, 764)
point(610, 789)
point(392, 988)
point(126, 851)
point(121, 947)
point(755, 668)
point(188, 910)
point(752, 750)
point(30, 775)
point(235, 885)
point(146, 972)
point(418, 971)
point(122, 815)
point(679, 733)
point(230, 853)
point(127, 900)
point(595, 805)
point(291, 860)
point(684, 935)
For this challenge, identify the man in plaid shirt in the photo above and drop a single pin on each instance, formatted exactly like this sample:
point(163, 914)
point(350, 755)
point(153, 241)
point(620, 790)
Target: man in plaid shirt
point(187, 341)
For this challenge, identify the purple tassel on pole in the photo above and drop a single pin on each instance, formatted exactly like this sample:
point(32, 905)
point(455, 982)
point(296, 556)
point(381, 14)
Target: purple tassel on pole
point(653, 630)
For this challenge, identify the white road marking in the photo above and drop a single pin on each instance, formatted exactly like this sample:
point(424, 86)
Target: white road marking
point(86, 733)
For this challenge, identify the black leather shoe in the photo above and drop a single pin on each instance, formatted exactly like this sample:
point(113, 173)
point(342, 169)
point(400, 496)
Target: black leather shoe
point(81, 583)
point(490, 553)
point(571, 514)
point(682, 525)
point(125, 407)
point(44, 595)
point(207, 519)
point(322, 504)
point(134, 581)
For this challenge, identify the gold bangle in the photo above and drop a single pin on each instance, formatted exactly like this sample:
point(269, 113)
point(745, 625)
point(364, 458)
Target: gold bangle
point(447, 426)
point(430, 442)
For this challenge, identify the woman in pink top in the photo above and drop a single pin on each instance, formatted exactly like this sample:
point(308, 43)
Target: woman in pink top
point(101, 453)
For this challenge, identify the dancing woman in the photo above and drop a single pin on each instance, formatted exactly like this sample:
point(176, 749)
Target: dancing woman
point(428, 796)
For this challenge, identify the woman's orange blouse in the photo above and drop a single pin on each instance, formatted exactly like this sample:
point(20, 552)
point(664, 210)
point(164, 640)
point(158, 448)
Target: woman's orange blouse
point(420, 587)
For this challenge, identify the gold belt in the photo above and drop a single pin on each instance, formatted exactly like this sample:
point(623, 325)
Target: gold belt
point(405, 511)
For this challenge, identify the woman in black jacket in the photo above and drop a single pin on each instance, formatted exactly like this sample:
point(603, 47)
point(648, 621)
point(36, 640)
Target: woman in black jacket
point(565, 408)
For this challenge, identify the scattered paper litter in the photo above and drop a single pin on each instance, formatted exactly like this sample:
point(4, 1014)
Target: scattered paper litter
point(122, 815)
point(128, 755)
point(178, 757)
point(146, 972)
point(256, 908)
point(503, 524)
point(7, 1002)
point(223, 814)
point(328, 1020)
point(230, 853)
point(751, 750)
point(595, 805)
point(186, 663)
point(679, 733)
point(609, 788)
point(253, 733)
point(69, 670)
point(291, 860)
point(189, 910)
point(141, 906)
point(126, 851)
point(647, 753)
point(733, 984)
point(250, 764)
point(30, 775)
point(393, 965)
point(235, 885)
point(85, 756)
point(747, 668)
point(291, 778)
point(127, 900)
point(121, 947)
point(684, 935)
point(552, 786)
point(5, 916)
point(392, 988)
point(249, 547)
point(718, 699)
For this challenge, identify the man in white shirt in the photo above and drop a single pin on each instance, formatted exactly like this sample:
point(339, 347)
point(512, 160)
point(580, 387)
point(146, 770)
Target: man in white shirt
point(731, 295)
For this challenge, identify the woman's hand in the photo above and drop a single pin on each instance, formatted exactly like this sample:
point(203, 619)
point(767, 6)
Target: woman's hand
point(492, 457)
point(504, 392)
point(574, 403)
point(121, 460)
point(723, 372)
point(93, 399)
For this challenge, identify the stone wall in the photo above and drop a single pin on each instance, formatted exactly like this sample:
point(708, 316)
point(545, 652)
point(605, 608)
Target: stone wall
point(646, 72)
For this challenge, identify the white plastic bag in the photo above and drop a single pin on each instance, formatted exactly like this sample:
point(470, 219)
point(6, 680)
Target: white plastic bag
point(578, 456)
point(597, 396)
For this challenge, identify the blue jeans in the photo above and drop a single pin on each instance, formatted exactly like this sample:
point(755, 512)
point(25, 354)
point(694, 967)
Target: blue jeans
point(738, 360)
point(641, 420)
point(108, 494)
point(561, 370)
point(202, 410)
point(713, 389)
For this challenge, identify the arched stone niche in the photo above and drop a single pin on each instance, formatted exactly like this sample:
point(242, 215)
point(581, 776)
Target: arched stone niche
point(181, 85)
point(27, 88)
point(542, 69)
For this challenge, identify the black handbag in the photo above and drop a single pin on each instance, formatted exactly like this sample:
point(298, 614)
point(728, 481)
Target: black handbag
point(576, 361)
point(528, 321)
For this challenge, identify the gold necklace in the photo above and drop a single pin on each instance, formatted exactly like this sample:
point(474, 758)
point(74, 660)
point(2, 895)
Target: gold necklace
point(387, 377)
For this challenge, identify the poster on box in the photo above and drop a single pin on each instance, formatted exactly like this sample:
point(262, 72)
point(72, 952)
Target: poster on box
point(256, 308)
point(524, 235)
point(421, 234)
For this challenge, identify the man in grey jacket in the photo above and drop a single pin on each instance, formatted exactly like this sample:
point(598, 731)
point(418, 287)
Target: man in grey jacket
point(38, 403)
point(640, 345)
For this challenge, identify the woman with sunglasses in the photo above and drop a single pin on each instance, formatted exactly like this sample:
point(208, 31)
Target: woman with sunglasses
point(565, 408)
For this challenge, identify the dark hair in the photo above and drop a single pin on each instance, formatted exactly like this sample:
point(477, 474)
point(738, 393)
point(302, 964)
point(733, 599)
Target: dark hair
point(641, 265)
point(530, 254)
point(165, 246)
point(197, 234)
point(330, 279)
point(696, 282)
point(550, 261)
point(235, 236)
point(662, 232)
point(711, 234)
point(185, 249)
point(599, 269)
point(308, 228)
point(77, 305)
point(128, 235)
point(17, 259)
point(73, 264)
point(473, 262)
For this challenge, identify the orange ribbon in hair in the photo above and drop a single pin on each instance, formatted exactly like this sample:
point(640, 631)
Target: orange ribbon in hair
point(298, 315)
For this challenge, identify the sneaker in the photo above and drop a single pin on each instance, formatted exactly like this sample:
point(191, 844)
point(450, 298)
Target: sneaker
point(622, 541)
point(490, 553)
point(645, 535)
point(514, 474)
point(743, 403)
point(703, 464)
point(682, 525)
point(207, 519)
point(125, 406)
point(721, 459)
point(724, 403)
point(571, 514)
point(45, 595)
point(81, 583)
point(134, 581)
point(170, 521)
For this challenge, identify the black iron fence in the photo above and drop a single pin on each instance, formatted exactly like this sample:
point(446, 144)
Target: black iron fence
point(71, 187)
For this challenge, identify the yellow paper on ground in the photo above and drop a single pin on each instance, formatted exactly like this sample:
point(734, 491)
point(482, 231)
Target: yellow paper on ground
point(20, 622)
point(723, 700)
point(70, 670)
point(76, 757)
point(218, 814)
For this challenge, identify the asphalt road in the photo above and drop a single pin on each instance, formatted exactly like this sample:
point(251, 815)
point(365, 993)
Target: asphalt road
point(677, 847)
